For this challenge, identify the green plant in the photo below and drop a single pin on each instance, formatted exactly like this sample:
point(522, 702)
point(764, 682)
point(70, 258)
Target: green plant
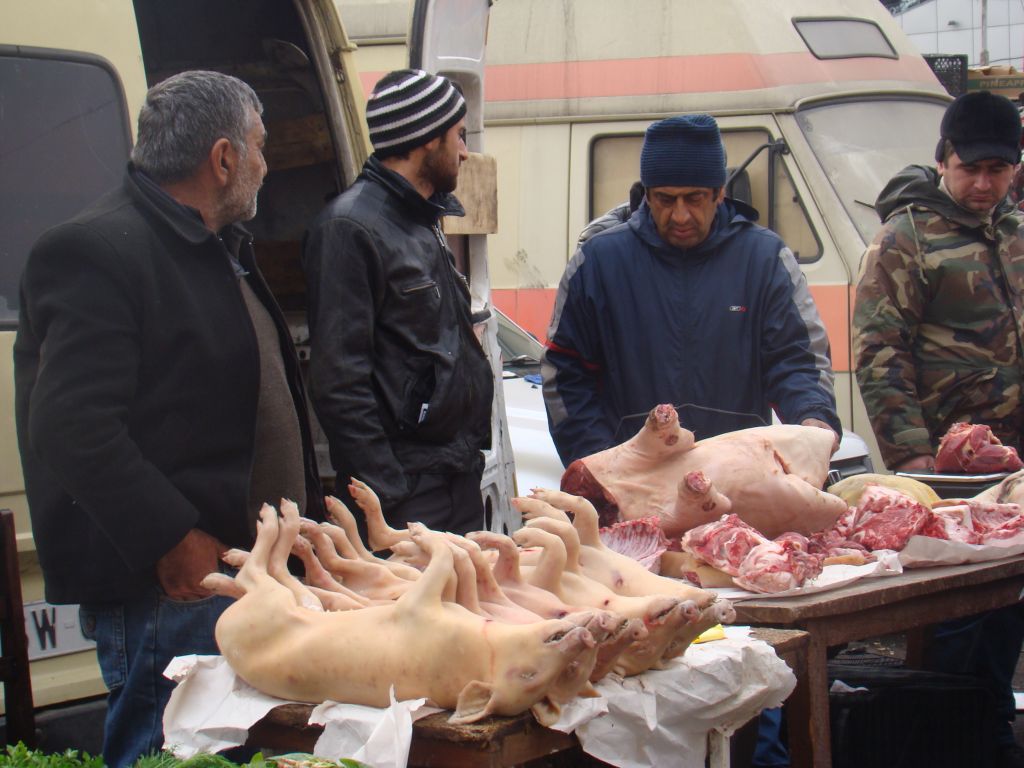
point(20, 756)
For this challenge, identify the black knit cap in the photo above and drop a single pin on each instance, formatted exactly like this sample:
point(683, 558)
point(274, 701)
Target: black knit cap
point(981, 126)
point(683, 151)
point(408, 108)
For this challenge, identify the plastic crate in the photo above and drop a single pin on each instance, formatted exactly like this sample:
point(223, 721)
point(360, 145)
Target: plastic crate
point(909, 719)
point(951, 70)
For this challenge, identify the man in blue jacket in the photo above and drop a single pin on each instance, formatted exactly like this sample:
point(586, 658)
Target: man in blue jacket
point(689, 302)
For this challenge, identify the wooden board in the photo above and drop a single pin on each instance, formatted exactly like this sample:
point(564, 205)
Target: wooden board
point(478, 193)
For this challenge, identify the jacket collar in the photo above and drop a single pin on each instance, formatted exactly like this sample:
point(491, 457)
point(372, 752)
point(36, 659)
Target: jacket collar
point(186, 221)
point(918, 186)
point(427, 210)
point(730, 217)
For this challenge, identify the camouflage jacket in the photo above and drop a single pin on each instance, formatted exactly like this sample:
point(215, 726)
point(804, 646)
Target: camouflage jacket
point(937, 322)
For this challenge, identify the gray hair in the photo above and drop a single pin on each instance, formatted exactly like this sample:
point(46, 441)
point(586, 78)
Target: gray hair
point(184, 116)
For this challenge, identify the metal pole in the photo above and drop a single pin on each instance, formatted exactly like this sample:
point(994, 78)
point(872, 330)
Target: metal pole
point(983, 59)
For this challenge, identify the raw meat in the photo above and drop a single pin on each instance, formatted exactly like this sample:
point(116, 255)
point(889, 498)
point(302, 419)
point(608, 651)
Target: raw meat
point(723, 544)
point(769, 476)
point(887, 518)
point(642, 540)
point(972, 448)
point(779, 565)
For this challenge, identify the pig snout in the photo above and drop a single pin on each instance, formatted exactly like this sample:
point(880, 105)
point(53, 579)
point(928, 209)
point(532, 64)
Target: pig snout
point(572, 641)
point(723, 612)
point(690, 610)
point(659, 610)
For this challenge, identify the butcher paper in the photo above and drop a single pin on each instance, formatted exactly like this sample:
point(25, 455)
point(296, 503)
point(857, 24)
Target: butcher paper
point(212, 709)
point(663, 717)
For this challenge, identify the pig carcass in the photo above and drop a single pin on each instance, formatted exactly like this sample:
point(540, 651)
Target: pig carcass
point(279, 639)
point(770, 477)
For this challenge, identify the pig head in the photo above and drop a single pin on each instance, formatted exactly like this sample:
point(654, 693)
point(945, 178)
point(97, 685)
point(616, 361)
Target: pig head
point(771, 477)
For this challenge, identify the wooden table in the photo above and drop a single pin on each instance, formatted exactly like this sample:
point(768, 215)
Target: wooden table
point(497, 742)
point(912, 600)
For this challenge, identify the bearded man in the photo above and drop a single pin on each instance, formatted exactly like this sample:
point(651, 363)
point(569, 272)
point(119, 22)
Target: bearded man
point(398, 378)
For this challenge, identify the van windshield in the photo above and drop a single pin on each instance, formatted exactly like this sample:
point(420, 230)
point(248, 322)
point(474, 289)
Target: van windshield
point(863, 144)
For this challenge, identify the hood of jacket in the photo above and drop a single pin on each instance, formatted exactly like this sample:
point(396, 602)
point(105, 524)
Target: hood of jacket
point(426, 210)
point(918, 185)
point(731, 217)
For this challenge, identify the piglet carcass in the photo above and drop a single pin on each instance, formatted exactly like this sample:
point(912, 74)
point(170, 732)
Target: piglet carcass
point(279, 639)
point(771, 477)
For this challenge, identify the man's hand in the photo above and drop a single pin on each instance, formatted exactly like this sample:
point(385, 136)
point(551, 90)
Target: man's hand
point(821, 424)
point(180, 570)
point(915, 464)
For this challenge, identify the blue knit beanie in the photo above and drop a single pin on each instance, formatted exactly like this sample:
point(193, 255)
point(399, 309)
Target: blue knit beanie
point(683, 151)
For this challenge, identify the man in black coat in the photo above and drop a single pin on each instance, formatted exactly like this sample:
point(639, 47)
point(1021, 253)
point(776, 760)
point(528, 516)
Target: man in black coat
point(399, 380)
point(158, 396)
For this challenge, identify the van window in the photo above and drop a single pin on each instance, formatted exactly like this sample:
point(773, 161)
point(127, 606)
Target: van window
point(64, 141)
point(615, 164)
point(863, 144)
point(844, 38)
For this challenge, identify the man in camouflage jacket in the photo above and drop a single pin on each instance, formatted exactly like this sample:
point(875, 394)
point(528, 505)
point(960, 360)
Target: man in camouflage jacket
point(940, 300)
point(937, 339)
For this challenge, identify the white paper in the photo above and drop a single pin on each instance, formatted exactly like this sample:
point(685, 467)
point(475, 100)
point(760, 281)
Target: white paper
point(923, 551)
point(663, 717)
point(211, 708)
point(377, 737)
point(886, 563)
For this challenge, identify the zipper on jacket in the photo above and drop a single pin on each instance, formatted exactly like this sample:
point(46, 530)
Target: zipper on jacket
point(414, 289)
point(436, 229)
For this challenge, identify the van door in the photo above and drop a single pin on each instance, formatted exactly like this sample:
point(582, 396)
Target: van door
point(449, 37)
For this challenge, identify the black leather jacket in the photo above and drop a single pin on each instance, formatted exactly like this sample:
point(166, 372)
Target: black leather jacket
point(398, 379)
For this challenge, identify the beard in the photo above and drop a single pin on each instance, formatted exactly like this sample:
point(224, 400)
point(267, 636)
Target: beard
point(240, 199)
point(438, 169)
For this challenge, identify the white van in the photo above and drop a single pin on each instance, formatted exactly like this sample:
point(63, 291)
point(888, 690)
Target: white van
point(820, 102)
point(73, 74)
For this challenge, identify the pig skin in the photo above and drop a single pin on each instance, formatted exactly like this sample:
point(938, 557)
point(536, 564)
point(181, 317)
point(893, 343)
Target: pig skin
point(620, 573)
point(278, 638)
point(771, 477)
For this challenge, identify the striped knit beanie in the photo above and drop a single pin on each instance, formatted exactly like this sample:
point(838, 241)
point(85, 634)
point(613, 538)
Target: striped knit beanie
point(683, 151)
point(408, 108)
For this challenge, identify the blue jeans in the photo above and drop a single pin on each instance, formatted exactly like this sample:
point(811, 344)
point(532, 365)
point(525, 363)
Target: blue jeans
point(770, 749)
point(135, 641)
point(985, 646)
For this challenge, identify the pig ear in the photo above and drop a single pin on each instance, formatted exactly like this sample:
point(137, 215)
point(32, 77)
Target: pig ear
point(474, 703)
point(588, 691)
point(546, 711)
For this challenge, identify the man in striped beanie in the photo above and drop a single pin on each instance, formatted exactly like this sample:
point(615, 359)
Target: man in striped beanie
point(400, 383)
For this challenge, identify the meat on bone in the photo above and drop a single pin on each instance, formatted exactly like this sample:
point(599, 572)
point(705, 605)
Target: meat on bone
point(642, 540)
point(278, 638)
point(778, 565)
point(771, 477)
point(973, 448)
point(723, 544)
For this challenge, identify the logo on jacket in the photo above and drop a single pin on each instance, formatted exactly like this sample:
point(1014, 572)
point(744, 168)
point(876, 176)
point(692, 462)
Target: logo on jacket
point(737, 308)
